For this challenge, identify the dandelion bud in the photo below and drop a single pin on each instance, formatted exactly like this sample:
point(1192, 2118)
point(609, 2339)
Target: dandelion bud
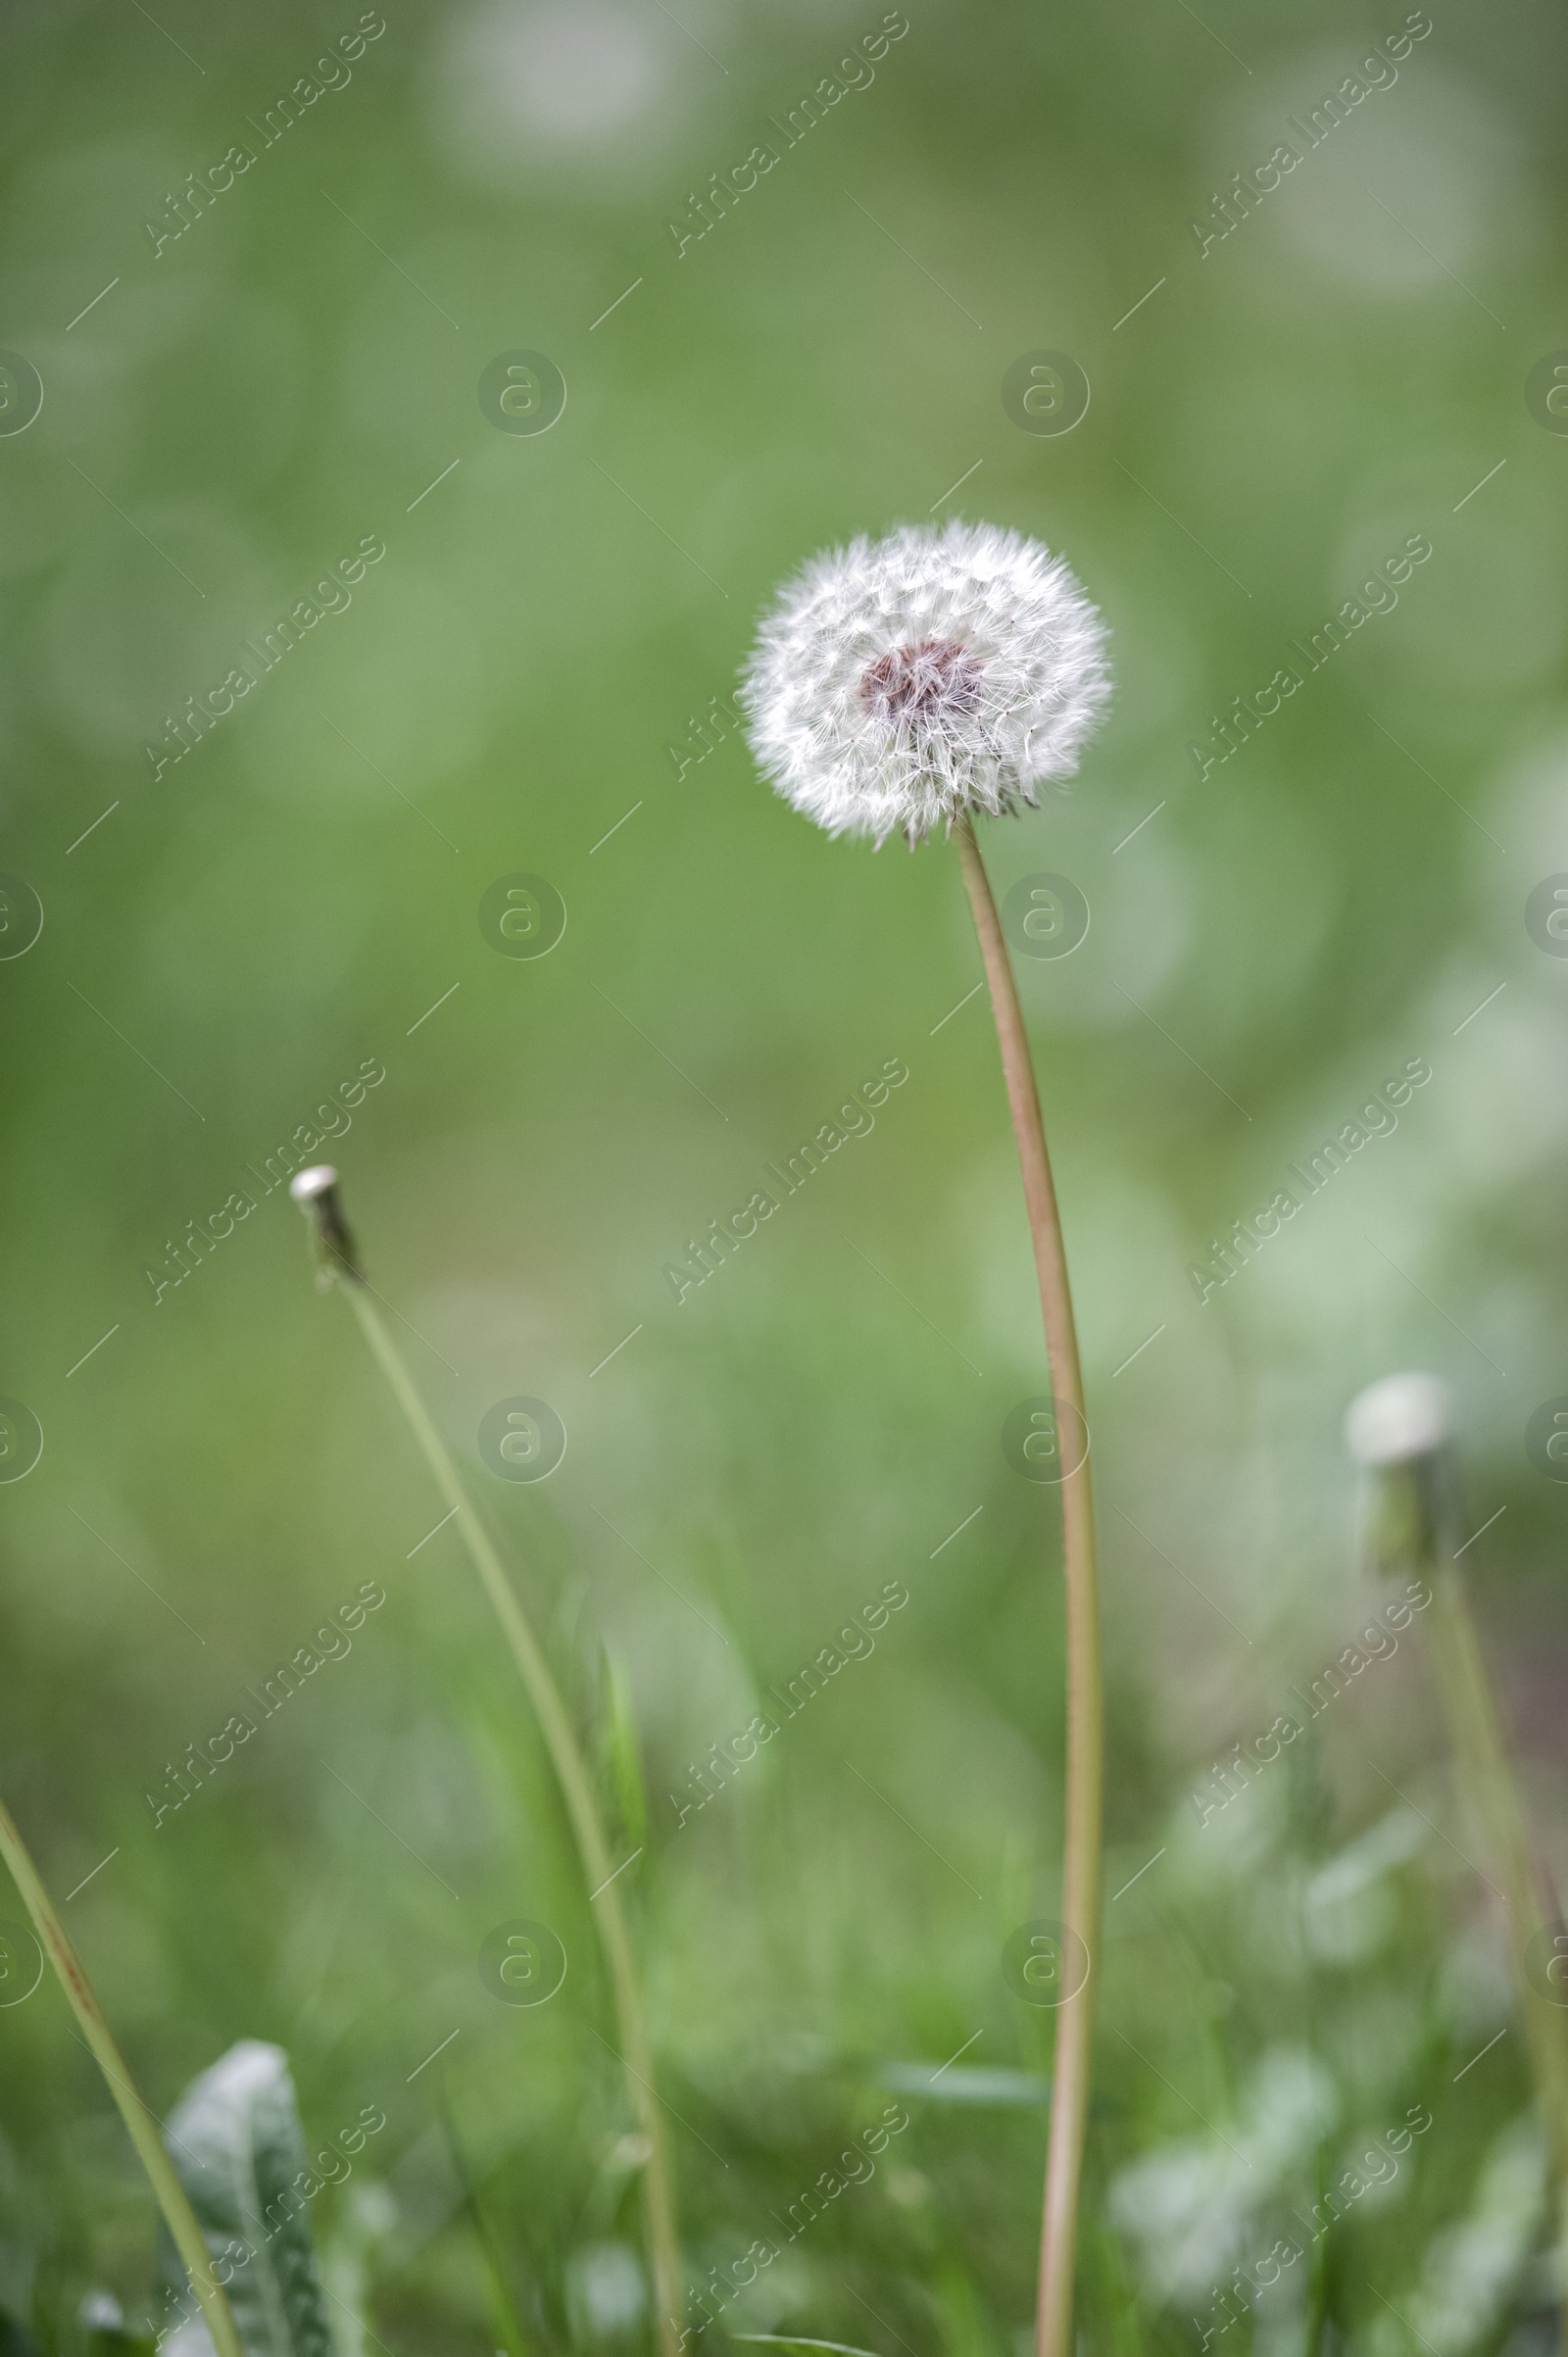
point(1401, 1429)
point(902, 684)
point(315, 1191)
point(1397, 1419)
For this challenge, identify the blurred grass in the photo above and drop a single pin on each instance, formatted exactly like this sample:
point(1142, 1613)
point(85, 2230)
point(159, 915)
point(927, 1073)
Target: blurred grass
point(1270, 421)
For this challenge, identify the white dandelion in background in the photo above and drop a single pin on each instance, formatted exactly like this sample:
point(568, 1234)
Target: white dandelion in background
point(900, 684)
point(1404, 1432)
point(1398, 1418)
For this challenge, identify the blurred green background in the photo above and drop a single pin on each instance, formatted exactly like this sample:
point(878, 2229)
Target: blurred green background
point(225, 942)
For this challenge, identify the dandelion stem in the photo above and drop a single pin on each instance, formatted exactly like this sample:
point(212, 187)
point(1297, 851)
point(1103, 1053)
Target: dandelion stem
point(173, 2199)
point(1492, 1786)
point(1085, 1780)
point(577, 1791)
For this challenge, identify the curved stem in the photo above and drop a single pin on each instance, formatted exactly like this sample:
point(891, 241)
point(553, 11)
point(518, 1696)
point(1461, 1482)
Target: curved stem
point(1085, 1778)
point(599, 1867)
point(172, 2200)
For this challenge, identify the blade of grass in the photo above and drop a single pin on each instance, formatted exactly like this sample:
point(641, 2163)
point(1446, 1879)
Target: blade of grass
point(1491, 1778)
point(507, 2323)
point(189, 2241)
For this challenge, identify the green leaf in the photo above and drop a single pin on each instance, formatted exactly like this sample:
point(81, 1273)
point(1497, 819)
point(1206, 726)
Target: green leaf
point(234, 2136)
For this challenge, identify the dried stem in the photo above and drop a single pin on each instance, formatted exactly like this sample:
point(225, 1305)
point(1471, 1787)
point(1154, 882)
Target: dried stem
point(173, 2199)
point(1081, 1867)
point(599, 1867)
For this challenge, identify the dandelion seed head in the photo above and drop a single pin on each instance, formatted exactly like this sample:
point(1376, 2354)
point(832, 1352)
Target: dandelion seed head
point(900, 684)
point(1397, 1419)
point(923, 685)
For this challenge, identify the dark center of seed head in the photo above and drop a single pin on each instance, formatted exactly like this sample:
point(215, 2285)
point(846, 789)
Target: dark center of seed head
point(923, 683)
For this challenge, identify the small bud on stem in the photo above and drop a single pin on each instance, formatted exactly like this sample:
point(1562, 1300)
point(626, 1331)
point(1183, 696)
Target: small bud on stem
point(315, 1191)
point(1401, 1430)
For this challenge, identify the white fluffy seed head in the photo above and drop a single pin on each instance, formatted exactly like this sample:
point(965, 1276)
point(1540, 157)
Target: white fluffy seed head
point(309, 1186)
point(900, 684)
point(1399, 1419)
